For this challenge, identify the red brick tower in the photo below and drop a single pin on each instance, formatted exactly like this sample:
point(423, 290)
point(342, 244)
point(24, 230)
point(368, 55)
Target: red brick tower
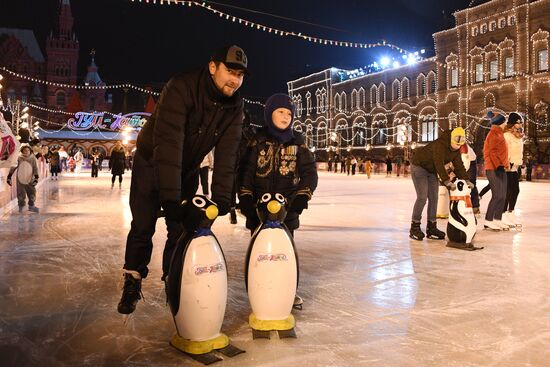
point(62, 58)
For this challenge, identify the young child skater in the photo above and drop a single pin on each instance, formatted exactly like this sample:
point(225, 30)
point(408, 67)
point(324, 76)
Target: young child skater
point(277, 161)
point(27, 178)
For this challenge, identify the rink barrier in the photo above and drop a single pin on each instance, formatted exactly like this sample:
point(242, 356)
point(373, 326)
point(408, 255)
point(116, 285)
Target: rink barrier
point(538, 172)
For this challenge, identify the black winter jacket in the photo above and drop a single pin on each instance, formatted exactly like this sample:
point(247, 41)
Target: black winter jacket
point(191, 118)
point(288, 168)
point(117, 162)
point(435, 155)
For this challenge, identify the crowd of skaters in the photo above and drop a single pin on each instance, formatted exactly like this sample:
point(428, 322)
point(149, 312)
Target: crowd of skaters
point(351, 164)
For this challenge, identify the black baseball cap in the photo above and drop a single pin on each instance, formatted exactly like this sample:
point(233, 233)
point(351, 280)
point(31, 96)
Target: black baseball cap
point(233, 57)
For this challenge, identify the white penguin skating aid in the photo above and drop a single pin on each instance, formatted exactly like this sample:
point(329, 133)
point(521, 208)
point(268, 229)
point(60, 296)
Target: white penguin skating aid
point(271, 271)
point(197, 287)
point(462, 224)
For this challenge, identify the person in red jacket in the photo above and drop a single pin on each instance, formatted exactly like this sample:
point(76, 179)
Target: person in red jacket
point(495, 152)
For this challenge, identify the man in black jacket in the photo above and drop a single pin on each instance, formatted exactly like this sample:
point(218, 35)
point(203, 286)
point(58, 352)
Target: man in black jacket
point(196, 112)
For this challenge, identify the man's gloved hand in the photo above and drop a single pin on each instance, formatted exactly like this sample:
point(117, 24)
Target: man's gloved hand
point(8, 181)
point(34, 181)
point(470, 184)
point(299, 203)
point(223, 207)
point(500, 169)
point(450, 185)
point(246, 205)
point(174, 211)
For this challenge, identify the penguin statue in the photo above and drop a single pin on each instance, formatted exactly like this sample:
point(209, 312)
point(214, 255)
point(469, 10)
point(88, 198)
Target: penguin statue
point(462, 224)
point(197, 286)
point(271, 271)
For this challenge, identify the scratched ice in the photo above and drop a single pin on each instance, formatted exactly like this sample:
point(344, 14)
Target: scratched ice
point(372, 296)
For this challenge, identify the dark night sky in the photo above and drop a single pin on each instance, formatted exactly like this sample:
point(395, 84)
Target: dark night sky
point(145, 44)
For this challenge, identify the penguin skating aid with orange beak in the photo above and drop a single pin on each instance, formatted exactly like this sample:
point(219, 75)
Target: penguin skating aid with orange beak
point(197, 287)
point(271, 271)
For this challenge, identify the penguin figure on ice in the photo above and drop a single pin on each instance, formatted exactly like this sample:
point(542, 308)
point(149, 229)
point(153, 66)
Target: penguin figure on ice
point(271, 271)
point(197, 286)
point(462, 224)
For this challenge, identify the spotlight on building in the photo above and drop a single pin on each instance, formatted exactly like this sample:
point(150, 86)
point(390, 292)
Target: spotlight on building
point(385, 62)
point(348, 149)
point(25, 109)
point(396, 64)
point(422, 51)
point(1, 77)
point(368, 147)
point(24, 125)
point(26, 115)
point(411, 59)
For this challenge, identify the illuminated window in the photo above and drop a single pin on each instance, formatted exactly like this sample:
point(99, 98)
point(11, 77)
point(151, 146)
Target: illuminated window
point(509, 66)
point(479, 73)
point(483, 29)
point(543, 60)
point(475, 31)
point(502, 22)
point(428, 131)
point(492, 26)
point(493, 70)
point(454, 78)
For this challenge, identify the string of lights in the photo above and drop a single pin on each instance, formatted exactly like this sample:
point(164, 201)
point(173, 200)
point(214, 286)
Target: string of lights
point(276, 31)
point(72, 86)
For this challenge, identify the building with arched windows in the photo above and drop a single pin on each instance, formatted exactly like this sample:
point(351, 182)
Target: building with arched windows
point(495, 58)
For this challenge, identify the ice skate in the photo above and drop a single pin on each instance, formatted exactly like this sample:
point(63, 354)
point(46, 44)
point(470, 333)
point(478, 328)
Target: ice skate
point(131, 293)
point(33, 209)
point(433, 233)
point(515, 223)
point(416, 233)
point(491, 226)
point(507, 221)
point(298, 302)
point(502, 226)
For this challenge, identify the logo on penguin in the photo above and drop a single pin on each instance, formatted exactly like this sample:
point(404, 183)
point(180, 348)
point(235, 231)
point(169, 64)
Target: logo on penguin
point(272, 257)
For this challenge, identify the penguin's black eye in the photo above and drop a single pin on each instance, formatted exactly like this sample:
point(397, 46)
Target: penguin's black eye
point(199, 202)
point(266, 197)
point(280, 198)
point(460, 186)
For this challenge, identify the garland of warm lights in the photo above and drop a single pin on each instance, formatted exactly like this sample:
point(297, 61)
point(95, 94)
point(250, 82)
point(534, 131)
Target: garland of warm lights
point(258, 26)
point(72, 86)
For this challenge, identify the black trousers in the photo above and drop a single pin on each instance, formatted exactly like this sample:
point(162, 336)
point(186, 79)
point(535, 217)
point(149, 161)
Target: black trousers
point(512, 190)
point(114, 177)
point(94, 170)
point(145, 205)
point(472, 172)
point(204, 180)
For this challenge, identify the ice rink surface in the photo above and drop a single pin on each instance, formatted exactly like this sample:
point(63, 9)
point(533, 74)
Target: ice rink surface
point(373, 297)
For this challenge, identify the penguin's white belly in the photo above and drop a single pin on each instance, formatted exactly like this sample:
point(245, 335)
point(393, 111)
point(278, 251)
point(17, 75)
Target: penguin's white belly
point(203, 291)
point(272, 275)
point(470, 228)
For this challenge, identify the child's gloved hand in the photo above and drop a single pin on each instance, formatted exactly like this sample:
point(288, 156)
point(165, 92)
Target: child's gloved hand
point(299, 203)
point(246, 205)
point(174, 211)
point(8, 181)
point(450, 185)
point(34, 181)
